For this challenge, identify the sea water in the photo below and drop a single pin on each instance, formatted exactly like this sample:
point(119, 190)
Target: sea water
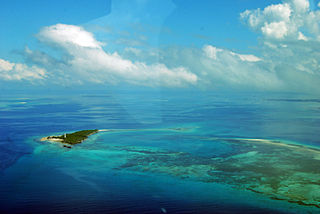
point(117, 172)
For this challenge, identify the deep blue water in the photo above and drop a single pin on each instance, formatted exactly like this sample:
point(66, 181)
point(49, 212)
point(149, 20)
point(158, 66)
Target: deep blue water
point(37, 177)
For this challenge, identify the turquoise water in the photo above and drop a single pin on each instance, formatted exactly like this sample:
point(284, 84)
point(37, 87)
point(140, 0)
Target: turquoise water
point(149, 167)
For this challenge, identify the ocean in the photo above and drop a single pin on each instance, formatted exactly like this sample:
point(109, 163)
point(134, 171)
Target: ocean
point(167, 152)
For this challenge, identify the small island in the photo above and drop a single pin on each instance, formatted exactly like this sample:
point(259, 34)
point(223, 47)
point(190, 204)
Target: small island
point(72, 138)
point(67, 140)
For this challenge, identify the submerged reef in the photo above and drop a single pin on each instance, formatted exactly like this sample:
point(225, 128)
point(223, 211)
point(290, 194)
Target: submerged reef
point(278, 170)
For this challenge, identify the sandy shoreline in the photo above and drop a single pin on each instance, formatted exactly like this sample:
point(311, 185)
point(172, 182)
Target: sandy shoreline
point(307, 148)
point(252, 140)
point(51, 139)
point(56, 139)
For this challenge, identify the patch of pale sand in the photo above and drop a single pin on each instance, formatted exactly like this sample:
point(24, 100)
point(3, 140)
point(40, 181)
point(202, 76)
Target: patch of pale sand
point(44, 139)
point(300, 147)
point(245, 155)
point(51, 139)
point(104, 130)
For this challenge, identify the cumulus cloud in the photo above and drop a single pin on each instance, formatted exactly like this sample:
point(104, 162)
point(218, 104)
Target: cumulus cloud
point(39, 58)
point(302, 37)
point(212, 52)
point(290, 20)
point(69, 35)
point(276, 30)
point(219, 68)
point(91, 62)
point(18, 71)
point(238, 69)
point(247, 57)
point(88, 60)
point(281, 66)
point(290, 43)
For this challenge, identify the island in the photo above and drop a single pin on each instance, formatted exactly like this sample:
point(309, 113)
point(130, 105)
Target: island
point(72, 138)
point(67, 140)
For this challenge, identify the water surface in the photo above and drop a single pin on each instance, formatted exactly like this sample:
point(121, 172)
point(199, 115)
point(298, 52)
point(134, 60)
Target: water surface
point(206, 165)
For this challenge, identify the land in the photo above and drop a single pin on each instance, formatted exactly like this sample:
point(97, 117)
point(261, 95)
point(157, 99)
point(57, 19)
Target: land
point(72, 138)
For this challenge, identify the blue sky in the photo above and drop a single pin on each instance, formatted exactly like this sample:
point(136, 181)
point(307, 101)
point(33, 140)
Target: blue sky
point(248, 45)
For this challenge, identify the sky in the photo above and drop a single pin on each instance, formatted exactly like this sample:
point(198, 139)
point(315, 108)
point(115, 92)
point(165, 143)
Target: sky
point(234, 45)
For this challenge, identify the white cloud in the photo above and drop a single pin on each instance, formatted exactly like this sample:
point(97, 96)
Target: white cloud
point(18, 71)
point(236, 69)
point(6, 65)
point(278, 12)
point(247, 57)
point(219, 68)
point(90, 62)
point(276, 30)
point(211, 51)
point(283, 66)
point(69, 35)
point(302, 37)
point(300, 5)
point(285, 21)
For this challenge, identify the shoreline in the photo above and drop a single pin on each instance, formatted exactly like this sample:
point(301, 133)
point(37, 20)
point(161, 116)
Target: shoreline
point(69, 139)
point(50, 140)
point(274, 142)
point(54, 138)
point(282, 143)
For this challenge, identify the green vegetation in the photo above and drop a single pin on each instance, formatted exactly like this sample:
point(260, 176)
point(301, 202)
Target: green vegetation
point(77, 137)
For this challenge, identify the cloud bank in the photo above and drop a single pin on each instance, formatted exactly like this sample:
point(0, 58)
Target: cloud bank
point(87, 59)
point(219, 68)
point(238, 69)
point(18, 71)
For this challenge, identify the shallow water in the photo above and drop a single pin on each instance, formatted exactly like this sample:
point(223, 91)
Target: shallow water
point(205, 167)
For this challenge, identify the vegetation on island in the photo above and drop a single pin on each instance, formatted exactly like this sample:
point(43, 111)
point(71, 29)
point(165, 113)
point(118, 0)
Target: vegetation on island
point(74, 138)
